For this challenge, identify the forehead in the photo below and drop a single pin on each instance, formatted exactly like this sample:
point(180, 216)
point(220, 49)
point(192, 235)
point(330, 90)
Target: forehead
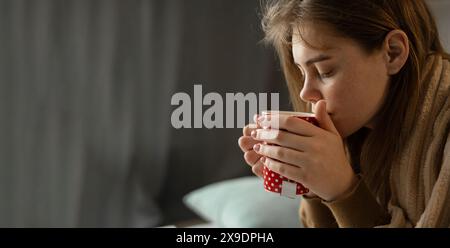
point(315, 36)
point(311, 39)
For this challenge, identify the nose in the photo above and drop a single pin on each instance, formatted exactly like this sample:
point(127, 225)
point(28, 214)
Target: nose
point(309, 92)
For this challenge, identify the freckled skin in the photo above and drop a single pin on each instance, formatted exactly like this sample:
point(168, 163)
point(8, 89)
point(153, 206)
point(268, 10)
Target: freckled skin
point(357, 86)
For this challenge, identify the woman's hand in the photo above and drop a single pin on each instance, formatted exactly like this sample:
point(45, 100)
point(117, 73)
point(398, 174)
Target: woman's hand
point(312, 156)
point(246, 143)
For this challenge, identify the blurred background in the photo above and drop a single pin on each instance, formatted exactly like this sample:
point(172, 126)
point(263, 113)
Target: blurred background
point(85, 90)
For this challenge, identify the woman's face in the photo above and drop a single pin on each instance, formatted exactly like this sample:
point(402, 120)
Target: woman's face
point(338, 70)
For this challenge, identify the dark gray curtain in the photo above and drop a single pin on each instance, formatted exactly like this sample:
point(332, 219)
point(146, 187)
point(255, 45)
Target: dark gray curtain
point(440, 9)
point(85, 89)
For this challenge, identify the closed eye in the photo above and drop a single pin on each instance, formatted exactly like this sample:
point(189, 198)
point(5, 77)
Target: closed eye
point(327, 74)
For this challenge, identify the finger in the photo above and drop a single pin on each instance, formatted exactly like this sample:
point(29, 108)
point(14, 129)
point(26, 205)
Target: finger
point(257, 169)
point(289, 123)
point(251, 157)
point(247, 130)
point(324, 118)
point(246, 143)
point(283, 154)
point(255, 118)
point(285, 170)
point(282, 138)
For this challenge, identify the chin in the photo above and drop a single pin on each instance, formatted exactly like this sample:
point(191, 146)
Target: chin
point(346, 130)
point(346, 127)
point(344, 133)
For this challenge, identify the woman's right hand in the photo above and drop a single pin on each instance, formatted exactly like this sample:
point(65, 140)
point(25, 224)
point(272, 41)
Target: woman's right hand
point(246, 143)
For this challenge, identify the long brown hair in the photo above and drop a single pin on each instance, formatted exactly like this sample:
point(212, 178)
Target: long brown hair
point(367, 22)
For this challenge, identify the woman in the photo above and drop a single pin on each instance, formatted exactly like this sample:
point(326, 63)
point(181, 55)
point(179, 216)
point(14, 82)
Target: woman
point(377, 77)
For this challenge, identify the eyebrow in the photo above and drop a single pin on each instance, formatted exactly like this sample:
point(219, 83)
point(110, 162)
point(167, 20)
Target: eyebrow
point(317, 59)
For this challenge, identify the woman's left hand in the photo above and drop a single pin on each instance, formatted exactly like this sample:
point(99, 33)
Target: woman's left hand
point(313, 156)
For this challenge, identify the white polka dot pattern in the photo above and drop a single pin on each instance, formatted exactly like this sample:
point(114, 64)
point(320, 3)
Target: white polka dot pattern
point(273, 182)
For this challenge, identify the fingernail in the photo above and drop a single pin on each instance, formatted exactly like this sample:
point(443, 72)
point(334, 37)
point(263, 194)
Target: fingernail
point(257, 147)
point(265, 124)
point(253, 134)
point(262, 159)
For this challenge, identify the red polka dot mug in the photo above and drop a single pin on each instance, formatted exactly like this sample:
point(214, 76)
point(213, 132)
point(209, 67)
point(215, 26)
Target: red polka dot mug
point(274, 182)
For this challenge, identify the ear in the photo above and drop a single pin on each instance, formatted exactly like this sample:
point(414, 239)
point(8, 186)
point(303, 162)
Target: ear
point(396, 46)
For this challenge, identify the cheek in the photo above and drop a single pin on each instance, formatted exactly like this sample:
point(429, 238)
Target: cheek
point(344, 99)
point(357, 94)
point(373, 89)
point(343, 94)
point(353, 103)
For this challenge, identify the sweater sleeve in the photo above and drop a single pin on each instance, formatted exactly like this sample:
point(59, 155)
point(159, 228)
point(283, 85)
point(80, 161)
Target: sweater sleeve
point(313, 213)
point(358, 209)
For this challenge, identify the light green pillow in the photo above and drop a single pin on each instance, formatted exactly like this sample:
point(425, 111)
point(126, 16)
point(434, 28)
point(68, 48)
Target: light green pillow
point(243, 203)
